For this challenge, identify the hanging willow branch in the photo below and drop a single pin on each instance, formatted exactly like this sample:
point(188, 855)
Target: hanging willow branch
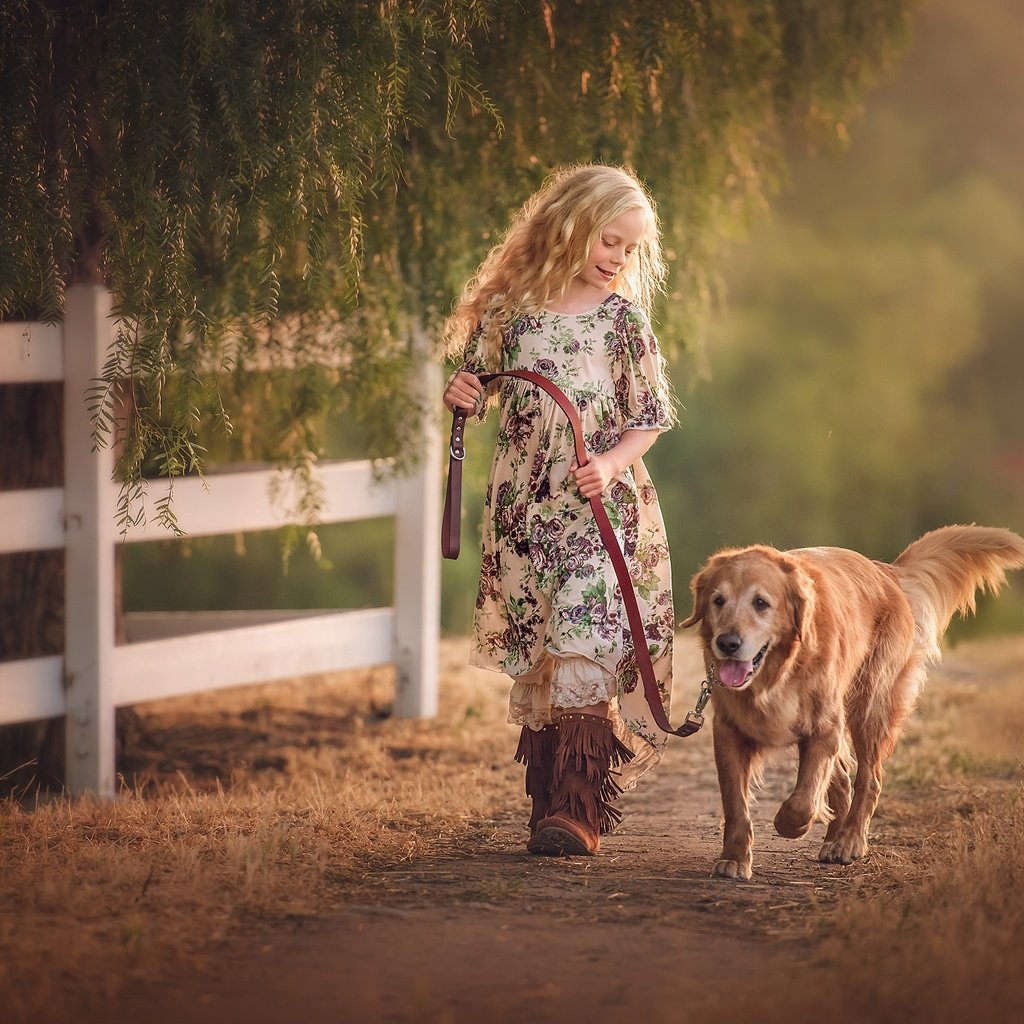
point(278, 195)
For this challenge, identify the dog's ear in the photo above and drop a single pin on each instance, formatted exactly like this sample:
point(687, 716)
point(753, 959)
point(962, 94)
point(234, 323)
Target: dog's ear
point(701, 592)
point(800, 595)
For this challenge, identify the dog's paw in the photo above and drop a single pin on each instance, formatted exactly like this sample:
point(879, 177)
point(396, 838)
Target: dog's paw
point(794, 820)
point(843, 850)
point(732, 869)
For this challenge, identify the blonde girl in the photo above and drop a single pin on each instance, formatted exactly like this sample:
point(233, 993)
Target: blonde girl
point(567, 293)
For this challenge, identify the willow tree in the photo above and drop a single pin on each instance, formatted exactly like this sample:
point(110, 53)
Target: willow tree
point(332, 169)
point(208, 161)
point(282, 196)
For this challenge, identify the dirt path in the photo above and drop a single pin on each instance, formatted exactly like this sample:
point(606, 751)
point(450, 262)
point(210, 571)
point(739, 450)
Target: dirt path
point(499, 935)
point(362, 868)
point(462, 925)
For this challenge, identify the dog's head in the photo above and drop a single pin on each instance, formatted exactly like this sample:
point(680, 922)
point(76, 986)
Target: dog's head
point(754, 604)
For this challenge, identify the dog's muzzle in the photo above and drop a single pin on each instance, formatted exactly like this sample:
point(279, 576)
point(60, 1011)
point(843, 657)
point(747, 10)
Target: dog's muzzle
point(734, 673)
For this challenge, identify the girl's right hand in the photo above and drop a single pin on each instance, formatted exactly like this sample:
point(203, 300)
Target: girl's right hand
point(464, 391)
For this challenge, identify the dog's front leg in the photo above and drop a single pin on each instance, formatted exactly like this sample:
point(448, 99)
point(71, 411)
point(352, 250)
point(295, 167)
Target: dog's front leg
point(850, 841)
point(817, 759)
point(734, 755)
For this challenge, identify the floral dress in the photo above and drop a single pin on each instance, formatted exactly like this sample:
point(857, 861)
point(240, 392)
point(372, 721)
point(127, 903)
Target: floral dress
point(549, 610)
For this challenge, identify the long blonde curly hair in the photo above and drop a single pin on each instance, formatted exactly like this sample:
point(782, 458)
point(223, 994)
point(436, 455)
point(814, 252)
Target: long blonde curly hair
point(545, 249)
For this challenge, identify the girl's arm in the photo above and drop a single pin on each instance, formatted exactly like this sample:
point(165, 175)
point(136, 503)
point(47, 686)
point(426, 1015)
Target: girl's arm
point(602, 469)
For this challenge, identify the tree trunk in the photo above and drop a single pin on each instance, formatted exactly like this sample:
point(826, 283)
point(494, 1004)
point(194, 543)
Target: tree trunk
point(31, 582)
point(31, 424)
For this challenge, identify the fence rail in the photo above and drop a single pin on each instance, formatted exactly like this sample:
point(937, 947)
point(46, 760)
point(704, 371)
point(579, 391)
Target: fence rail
point(94, 676)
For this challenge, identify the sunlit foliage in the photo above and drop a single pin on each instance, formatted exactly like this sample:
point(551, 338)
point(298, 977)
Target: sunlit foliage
point(271, 186)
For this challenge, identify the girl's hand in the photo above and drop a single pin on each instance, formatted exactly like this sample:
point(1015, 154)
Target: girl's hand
point(602, 469)
point(593, 478)
point(464, 391)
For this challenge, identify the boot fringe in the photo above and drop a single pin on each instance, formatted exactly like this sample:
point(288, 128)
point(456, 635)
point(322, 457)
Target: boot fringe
point(588, 742)
point(610, 789)
point(537, 747)
point(578, 799)
point(536, 751)
point(583, 783)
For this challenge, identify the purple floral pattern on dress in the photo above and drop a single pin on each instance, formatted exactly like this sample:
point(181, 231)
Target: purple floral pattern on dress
point(546, 583)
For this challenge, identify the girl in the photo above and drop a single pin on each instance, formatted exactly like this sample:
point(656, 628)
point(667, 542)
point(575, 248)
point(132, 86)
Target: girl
point(567, 294)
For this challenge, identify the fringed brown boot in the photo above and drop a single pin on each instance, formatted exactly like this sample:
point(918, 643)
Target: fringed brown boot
point(536, 751)
point(582, 787)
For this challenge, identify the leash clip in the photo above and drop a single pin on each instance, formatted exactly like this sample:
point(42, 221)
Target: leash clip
point(702, 700)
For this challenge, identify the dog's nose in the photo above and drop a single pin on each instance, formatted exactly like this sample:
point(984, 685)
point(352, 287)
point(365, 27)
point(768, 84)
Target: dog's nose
point(729, 643)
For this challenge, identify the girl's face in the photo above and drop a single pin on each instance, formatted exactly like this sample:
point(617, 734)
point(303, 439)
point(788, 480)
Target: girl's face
point(614, 248)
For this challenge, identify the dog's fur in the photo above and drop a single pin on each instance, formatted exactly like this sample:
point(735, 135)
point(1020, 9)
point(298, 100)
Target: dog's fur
point(844, 644)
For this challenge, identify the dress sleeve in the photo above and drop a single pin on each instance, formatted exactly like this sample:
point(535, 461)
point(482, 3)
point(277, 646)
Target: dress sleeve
point(473, 355)
point(642, 392)
point(473, 362)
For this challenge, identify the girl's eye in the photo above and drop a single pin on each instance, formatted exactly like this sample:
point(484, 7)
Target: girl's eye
point(761, 604)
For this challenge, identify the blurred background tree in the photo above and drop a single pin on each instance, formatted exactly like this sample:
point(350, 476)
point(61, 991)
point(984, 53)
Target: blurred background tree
point(867, 373)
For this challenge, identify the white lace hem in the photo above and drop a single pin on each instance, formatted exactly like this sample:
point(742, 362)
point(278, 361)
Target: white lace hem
point(573, 682)
point(580, 682)
point(537, 700)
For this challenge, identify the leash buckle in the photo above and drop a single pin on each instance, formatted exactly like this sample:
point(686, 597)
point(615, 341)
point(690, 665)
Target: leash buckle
point(694, 720)
point(458, 454)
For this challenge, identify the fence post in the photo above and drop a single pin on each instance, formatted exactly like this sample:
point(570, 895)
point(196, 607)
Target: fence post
point(90, 535)
point(417, 600)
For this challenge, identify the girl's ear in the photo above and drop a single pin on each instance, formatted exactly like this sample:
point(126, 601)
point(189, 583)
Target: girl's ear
point(701, 591)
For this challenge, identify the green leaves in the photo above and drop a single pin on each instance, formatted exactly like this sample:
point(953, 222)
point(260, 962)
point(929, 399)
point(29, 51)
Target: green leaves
point(331, 172)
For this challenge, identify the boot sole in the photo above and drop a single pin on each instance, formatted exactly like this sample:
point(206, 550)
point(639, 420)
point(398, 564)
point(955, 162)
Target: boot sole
point(557, 842)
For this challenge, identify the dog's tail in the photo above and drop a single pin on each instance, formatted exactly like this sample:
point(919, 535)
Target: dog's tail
point(942, 572)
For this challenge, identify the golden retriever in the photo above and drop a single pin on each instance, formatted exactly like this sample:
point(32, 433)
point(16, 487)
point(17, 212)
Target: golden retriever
point(826, 649)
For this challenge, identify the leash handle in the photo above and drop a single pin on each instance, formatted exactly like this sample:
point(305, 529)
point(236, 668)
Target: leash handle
point(450, 541)
point(451, 519)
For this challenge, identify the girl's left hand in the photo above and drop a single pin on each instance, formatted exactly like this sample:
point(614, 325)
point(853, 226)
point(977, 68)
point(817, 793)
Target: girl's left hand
point(593, 478)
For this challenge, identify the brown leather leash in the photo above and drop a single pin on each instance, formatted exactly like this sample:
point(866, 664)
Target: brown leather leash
point(451, 528)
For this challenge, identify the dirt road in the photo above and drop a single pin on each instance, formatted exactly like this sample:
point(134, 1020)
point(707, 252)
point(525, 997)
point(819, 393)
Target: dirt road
point(369, 870)
point(499, 935)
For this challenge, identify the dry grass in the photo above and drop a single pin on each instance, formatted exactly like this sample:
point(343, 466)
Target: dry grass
point(934, 932)
point(257, 804)
point(946, 948)
point(181, 861)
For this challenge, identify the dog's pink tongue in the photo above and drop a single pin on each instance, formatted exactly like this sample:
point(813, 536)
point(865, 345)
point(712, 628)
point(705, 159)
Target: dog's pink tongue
point(734, 673)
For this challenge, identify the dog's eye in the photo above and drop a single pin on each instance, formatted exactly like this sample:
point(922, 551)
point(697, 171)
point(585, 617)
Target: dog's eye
point(718, 600)
point(760, 604)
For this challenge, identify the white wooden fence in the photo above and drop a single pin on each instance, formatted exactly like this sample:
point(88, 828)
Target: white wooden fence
point(94, 676)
